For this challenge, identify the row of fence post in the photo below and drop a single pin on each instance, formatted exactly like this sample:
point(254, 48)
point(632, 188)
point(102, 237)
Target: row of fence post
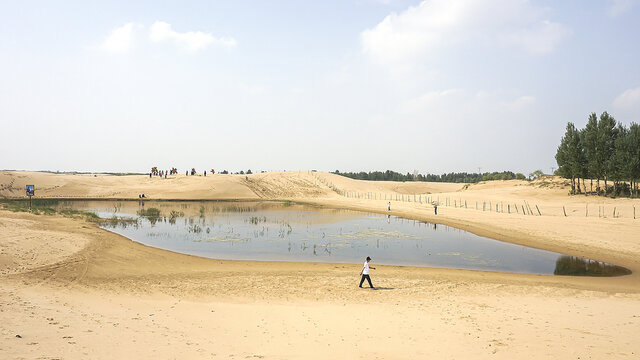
point(523, 208)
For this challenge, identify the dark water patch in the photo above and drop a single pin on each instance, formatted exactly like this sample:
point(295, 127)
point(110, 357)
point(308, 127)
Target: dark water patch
point(575, 266)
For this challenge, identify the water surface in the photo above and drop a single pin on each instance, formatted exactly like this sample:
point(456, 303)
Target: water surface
point(274, 231)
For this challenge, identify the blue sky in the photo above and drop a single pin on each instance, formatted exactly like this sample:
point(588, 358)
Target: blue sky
point(434, 86)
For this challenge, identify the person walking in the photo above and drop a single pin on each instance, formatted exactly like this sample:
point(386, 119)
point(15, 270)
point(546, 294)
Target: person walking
point(365, 273)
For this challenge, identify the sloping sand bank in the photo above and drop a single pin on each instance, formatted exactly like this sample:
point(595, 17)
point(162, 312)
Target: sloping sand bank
point(72, 290)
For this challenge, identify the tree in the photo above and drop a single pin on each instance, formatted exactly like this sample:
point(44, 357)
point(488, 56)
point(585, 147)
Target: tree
point(606, 140)
point(536, 174)
point(634, 140)
point(591, 150)
point(622, 160)
point(570, 157)
point(562, 157)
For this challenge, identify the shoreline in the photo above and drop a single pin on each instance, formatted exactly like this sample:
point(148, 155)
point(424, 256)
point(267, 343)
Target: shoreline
point(632, 264)
point(618, 284)
point(627, 261)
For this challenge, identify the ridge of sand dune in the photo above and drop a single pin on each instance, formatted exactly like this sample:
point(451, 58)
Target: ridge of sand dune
point(271, 185)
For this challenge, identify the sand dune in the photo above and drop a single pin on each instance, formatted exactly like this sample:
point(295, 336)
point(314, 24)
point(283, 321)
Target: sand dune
point(72, 290)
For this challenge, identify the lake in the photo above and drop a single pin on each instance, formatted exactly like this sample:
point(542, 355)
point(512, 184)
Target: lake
point(283, 231)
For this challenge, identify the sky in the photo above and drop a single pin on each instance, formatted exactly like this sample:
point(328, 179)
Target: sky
point(434, 86)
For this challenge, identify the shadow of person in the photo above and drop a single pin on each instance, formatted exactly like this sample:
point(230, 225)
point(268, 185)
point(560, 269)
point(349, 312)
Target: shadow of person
point(383, 288)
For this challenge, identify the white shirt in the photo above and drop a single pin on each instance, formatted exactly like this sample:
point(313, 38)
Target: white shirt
point(365, 270)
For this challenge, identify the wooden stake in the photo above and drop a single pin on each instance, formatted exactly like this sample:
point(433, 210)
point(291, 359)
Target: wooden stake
point(564, 211)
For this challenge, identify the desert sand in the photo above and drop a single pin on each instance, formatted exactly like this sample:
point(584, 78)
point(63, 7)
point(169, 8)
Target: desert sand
point(73, 290)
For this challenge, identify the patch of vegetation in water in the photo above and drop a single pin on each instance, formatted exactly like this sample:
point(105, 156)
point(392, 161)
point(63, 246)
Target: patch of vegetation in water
point(255, 220)
point(115, 221)
point(150, 212)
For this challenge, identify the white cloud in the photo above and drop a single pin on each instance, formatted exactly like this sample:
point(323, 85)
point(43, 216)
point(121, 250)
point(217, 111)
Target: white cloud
point(542, 38)
point(521, 103)
point(431, 99)
point(191, 41)
point(436, 24)
point(618, 7)
point(627, 104)
point(120, 40)
point(460, 101)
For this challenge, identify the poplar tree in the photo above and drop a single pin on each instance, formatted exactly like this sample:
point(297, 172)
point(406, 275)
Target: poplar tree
point(606, 140)
point(634, 141)
point(591, 150)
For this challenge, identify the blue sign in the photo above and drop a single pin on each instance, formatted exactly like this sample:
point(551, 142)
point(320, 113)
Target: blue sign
point(31, 190)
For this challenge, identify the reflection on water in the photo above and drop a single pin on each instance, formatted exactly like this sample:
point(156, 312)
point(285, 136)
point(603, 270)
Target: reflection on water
point(575, 266)
point(292, 232)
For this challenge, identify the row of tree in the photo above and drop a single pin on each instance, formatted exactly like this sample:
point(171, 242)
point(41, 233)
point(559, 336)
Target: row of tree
point(460, 177)
point(604, 150)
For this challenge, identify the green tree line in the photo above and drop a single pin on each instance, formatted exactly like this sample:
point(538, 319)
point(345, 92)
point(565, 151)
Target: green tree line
point(605, 150)
point(460, 177)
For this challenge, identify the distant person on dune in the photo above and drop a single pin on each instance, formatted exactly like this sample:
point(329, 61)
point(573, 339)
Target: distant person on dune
point(365, 273)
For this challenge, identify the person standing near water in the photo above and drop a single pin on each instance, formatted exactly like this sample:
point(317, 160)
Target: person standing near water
point(365, 273)
point(435, 208)
point(389, 206)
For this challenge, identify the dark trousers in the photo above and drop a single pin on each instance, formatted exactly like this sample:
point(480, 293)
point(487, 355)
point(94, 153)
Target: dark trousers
point(368, 279)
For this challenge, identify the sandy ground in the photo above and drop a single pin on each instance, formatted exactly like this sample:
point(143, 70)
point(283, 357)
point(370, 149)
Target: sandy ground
point(72, 290)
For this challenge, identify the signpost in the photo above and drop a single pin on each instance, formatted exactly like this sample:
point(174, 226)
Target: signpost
point(31, 190)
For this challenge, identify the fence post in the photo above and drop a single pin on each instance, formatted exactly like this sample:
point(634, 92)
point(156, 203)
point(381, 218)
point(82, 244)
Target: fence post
point(614, 212)
point(539, 213)
point(586, 210)
point(508, 208)
point(564, 211)
point(524, 212)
